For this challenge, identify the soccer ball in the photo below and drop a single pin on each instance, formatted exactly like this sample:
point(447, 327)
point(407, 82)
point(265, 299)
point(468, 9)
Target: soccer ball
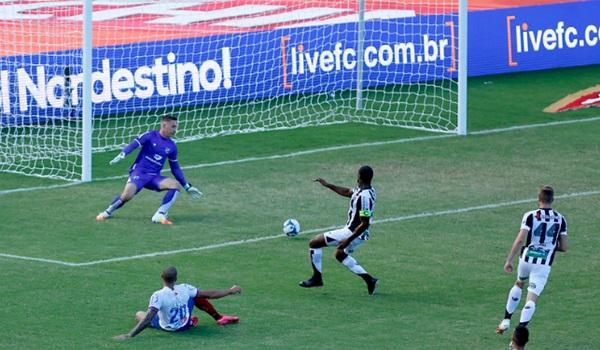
point(291, 227)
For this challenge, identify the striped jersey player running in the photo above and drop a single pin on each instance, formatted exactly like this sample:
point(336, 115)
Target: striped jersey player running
point(544, 231)
point(351, 236)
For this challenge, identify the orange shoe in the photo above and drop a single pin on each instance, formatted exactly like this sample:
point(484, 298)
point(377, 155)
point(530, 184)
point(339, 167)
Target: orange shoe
point(103, 216)
point(194, 321)
point(159, 218)
point(225, 320)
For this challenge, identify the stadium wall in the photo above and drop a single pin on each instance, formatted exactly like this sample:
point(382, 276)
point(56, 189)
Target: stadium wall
point(237, 67)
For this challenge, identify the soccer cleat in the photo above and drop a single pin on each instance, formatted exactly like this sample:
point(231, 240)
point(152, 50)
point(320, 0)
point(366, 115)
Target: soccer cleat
point(311, 282)
point(194, 321)
point(160, 218)
point(226, 319)
point(503, 326)
point(372, 285)
point(103, 216)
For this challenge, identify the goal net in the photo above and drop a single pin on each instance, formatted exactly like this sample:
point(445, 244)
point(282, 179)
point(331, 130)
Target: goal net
point(223, 67)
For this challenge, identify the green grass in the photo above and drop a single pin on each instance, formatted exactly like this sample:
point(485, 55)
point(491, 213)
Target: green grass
point(442, 282)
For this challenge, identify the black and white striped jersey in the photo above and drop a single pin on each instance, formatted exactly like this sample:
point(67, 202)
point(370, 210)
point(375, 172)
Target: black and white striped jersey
point(544, 227)
point(362, 204)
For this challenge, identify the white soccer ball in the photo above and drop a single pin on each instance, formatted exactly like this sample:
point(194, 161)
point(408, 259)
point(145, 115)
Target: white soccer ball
point(291, 227)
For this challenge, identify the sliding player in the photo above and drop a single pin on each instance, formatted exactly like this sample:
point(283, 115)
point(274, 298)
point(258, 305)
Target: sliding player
point(545, 232)
point(351, 236)
point(171, 307)
point(156, 147)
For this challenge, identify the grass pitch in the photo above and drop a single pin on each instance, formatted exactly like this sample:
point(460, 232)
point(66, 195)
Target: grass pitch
point(442, 285)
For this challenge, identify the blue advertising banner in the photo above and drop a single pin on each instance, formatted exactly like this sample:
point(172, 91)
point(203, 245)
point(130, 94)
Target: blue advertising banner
point(534, 38)
point(248, 66)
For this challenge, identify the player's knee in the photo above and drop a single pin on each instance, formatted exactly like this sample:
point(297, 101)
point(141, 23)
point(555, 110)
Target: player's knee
point(171, 184)
point(140, 315)
point(340, 255)
point(316, 242)
point(520, 283)
point(126, 197)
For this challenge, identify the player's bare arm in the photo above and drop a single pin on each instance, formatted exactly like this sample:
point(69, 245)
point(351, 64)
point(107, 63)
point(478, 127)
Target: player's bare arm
point(342, 191)
point(219, 293)
point(563, 243)
point(142, 324)
point(508, 266)
point(359, 230)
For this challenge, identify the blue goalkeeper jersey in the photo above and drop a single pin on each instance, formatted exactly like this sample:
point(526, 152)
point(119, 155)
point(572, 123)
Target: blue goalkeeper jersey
point(155, 150)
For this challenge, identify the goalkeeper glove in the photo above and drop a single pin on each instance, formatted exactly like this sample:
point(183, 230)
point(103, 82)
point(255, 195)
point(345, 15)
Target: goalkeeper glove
point(193, 191)
point(117, 159)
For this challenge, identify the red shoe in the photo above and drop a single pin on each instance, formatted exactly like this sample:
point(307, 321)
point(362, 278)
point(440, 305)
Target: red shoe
point(225, 320)
point(194, 321)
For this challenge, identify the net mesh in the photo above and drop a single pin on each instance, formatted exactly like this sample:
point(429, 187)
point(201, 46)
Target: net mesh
point(223, 67)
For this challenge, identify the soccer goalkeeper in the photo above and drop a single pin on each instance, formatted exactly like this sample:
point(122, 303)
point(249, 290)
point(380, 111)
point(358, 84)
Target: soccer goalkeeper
point(156, 147)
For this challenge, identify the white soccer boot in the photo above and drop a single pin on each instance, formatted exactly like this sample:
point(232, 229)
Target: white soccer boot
point(503, 326)
point(160, 218)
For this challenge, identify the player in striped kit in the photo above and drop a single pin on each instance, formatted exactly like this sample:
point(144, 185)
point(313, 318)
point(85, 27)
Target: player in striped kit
point(544, 231)
point(351, 236)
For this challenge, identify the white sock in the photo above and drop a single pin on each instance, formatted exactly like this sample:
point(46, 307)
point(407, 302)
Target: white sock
point(168, 202)
point(316, 256)
point(527, 312)
point(351, 263)
point(514, 296)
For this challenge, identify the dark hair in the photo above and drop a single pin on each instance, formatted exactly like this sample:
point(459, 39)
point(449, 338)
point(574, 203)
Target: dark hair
point(546, 194)
point(168, 117)
point(366, 174)
point(169, 274)
point(521, 336)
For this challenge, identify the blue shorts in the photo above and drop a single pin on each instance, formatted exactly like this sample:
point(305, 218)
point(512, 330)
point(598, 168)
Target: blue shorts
point(144, 180)
point(156, 324)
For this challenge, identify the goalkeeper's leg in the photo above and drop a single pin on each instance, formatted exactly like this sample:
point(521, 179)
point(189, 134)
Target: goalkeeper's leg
point(128, 192)
point(172, 188)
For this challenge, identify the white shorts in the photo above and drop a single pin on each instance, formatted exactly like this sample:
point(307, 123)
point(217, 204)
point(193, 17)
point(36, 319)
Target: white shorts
point(333, 238)
point(537, 275)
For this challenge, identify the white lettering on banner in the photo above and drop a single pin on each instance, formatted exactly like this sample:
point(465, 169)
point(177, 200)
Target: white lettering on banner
point(55, 83)
point(26, 84)
point(16, 11)
point(181, 17)
point(121, 84)
point(304, 61)
point(559, 37)
point(302, 14)
point(4, 91)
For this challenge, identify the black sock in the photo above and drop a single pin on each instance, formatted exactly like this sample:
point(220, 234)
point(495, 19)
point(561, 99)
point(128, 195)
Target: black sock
point(507, 315)
point(365, 276)
point(316, 274)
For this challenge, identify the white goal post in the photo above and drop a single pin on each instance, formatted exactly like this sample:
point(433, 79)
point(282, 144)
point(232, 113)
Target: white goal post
point(78, 77)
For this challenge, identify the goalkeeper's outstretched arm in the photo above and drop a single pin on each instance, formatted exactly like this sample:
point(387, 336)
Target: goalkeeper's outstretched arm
point(137, 142)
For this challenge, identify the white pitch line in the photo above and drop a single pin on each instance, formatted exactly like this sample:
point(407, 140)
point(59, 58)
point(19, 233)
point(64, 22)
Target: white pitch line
point(28, 258)
point(324, 229)
point(533, 126)
point(325, 149)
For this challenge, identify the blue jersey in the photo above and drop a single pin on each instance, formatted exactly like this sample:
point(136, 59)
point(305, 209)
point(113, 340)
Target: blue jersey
point(155, 151)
